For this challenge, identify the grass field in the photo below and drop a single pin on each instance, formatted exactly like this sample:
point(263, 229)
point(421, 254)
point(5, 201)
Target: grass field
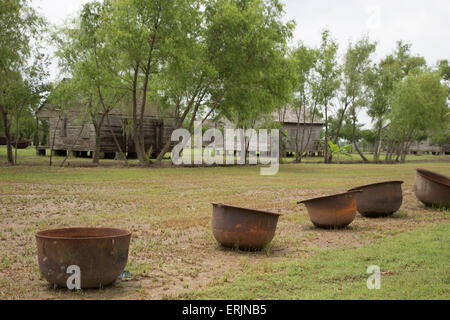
point(28, 157)
point(173, 253)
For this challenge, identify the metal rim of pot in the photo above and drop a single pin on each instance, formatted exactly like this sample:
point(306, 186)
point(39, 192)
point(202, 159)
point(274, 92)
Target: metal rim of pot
point(375, 184)
point(247, 209)
point(329, 196)
point(434, 176)
point(115, 233)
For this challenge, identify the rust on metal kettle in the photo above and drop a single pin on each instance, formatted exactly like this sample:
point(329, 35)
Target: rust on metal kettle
point(333, 211)
point(244, 228)
point(432, 188)
point(379, 199)
point(100, 253)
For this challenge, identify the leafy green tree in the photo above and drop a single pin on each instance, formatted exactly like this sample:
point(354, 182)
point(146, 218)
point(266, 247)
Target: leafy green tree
point(444, 69)
point(237, 67)
point(19, 25)
point(85, 53)
point(353, 94)
point(305, 59)
point(317, 72)
point(148, 36)
point(60, 100)
point(326, 80)
point(419, 105)
point(381, 79)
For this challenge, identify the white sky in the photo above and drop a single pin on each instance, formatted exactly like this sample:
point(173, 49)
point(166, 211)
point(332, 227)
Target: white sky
point(425, 24)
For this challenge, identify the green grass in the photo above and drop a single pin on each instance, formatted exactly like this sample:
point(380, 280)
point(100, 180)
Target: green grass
point(369, 156)
point(174, 254)
point(414, 265)
point(28, 156)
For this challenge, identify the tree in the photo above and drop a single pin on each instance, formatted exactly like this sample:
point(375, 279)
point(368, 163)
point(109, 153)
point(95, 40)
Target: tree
point(84, 52)
point(19, 23)
point(356, 64)
point(326, 81)
point(317, 75)
point(419, 105)
point(146, 35)
point(444, 69)
point(305, 60)
point(60, 100)
point(237, 66)
point(381, 79)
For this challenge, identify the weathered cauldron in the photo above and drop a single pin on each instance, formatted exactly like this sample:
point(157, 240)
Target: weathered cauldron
point(432, 189)
point(100, 253)
point(379, 199)
point(334, 211)
point(243, 228)
point(21, 144)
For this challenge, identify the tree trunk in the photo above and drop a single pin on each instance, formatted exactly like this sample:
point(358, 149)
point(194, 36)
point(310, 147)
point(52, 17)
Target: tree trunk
point(73, 145)
point(179, 122)
point(388, 150)
point(96, 157)
point(354, 138)
point(98, 129)
point(398, 151)
point(17, 139)
point(376, 154)
point(302, 140)
point(197, 106)
point(6, 125)
point(166, 147)
point(106, 113)
point(138, 127)
point(36, 136)
point(143, 161)
point(310, 130)
point(298, 155)
point(119, 148)
point(338, 129)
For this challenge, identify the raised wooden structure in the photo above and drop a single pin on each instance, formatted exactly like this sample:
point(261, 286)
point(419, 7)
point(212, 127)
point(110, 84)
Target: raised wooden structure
point(290, 124)
point(65, 129)
point(308, 128)
point(426, 147)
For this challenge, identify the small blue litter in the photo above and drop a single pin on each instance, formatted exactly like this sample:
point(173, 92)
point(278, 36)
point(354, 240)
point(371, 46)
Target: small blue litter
point(125, 275)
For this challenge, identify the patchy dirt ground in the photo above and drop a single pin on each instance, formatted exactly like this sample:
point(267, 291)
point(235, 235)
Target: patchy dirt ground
point(168, 210)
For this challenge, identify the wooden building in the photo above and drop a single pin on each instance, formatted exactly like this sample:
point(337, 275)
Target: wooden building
point(307, 127)
point(289, 122)
point(70, 132)
point(427, 147)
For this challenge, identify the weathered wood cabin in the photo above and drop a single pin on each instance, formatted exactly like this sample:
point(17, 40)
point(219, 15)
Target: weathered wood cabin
point(64, 129)
point(307, 127)
point(289, 123)
point(426, 147)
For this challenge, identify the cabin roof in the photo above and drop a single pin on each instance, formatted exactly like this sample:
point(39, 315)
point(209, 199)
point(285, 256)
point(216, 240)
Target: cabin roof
point(123, 108)
point(290, 116)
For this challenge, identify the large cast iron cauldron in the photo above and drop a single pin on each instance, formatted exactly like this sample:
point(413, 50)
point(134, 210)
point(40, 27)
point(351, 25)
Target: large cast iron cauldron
point(100, 253)
point(379, 199)
point(243, 228)
point(432, 189)
point(334, 211)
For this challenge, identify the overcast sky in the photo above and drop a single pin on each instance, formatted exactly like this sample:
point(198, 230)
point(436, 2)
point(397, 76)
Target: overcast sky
point(425, 24)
